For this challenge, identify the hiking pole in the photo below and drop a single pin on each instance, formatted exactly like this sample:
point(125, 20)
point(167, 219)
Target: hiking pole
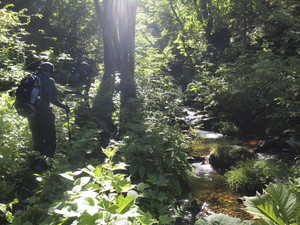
point(69, 131)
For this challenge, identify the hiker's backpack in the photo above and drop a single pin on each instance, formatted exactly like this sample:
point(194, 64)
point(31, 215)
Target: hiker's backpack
point(28, 95)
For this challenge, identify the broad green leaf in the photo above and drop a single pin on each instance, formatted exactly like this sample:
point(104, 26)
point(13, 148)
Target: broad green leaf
point(98, 171)
point(166, 219)
point(89, 170)
point(68, 175)
point(120, 166)
point(87, 204)
point(82, 181)
point(146, 219)
point(85, 218)
point(133, 194)
point(284, 199)
point(2, 207)
point(92, 187)
point(263, 207)
point(124, 203)
point(142, 186)
point(113, 209)
point(276, 205)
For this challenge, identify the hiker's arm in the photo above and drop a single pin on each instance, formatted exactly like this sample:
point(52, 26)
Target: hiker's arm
point(53, 97)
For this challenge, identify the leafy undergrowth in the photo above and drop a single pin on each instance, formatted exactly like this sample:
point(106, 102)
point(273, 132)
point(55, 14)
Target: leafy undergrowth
point(138, 185)
point(93, 195)
point(79, 189)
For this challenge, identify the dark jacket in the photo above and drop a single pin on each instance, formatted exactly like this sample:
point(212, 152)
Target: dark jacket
point(48, 93)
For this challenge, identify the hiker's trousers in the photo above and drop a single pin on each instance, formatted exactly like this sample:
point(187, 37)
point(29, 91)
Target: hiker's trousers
point(42, 127)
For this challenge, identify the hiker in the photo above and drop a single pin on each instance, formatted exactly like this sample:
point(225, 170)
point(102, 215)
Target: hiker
point(42, 124)
point(82, 75)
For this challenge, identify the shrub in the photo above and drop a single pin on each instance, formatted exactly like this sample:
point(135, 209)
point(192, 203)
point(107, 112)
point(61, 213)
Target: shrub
point(249, 176)
point(14, 148)
point(157, 159)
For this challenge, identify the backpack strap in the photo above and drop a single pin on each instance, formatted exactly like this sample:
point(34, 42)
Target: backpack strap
point(37, 89)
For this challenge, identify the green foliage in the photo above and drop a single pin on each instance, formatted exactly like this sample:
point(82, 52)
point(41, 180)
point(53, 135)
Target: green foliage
point(12, 53)
point(5, 209)
point(177, 40)
point(85, 142)
point(162, 99)
point(82, 38)
point(157, 159)
point(249, 94)
point(294, 179)
point(53, 26)
point(99, 195)
point(277, 205)
point(251, 175)
point(15, 143)
point(250, 87)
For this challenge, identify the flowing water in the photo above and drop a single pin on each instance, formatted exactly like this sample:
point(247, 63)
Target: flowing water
point(211, 192)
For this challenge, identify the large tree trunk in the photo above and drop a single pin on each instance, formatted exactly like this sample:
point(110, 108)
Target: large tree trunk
point(103, 104)
point(117, 21)
point(128, 111)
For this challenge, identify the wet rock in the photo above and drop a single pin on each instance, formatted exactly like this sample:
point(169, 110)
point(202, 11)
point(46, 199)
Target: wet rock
point(241, 200)
point(285, 149)
point(269, 146)
point(224, 157)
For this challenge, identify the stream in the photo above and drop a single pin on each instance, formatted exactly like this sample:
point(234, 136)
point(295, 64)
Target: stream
point(211, 193)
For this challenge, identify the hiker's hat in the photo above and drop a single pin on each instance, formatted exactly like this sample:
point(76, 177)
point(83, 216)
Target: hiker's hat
point(47, 67)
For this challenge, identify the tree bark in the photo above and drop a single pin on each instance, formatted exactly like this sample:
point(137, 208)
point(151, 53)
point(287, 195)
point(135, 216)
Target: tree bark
point(103, 105)
point(126, 24)
point(117, 22)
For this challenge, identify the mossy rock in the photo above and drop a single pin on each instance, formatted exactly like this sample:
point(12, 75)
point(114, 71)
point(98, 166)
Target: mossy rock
point(226, 156)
